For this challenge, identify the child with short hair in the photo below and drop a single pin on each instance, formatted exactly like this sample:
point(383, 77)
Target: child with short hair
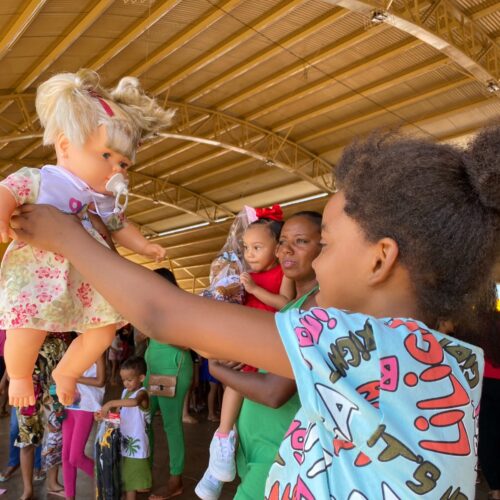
point(135, 419)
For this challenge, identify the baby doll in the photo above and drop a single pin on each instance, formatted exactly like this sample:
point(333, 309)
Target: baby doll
point(95, 134)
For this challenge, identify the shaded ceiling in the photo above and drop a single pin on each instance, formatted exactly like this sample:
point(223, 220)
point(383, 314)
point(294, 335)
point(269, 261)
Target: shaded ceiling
point(267, 93)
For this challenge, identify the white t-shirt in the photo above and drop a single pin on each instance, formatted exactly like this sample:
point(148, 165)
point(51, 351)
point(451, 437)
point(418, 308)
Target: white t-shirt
point(90, 396)
point(134, 423)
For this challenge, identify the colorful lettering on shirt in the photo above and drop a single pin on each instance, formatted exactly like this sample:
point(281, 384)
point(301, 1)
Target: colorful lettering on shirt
point(389, 410)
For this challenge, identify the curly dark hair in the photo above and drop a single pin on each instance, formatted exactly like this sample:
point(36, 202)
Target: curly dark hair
point(135, 363)
point(438, 202)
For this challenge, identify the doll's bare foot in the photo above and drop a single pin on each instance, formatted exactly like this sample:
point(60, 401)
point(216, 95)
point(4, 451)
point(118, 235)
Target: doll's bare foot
point(21, 392)
point(65, 387)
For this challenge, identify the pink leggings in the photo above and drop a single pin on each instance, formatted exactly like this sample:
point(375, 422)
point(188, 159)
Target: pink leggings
point(76, 430)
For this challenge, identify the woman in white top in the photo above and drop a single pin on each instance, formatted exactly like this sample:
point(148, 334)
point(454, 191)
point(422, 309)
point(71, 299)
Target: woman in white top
point(78, 424)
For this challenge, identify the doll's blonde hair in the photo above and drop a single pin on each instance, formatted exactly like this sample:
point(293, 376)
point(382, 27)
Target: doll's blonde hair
point(71, 104)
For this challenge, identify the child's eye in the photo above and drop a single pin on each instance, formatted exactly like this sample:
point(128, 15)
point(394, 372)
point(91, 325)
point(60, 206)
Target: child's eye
point(106, 155)
point(123, 165)
point(301, 241)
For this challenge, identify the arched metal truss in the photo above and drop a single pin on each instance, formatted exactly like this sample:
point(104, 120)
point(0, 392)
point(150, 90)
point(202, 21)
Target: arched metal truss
point(442, 25)
point(195, 125)
point(212, 127)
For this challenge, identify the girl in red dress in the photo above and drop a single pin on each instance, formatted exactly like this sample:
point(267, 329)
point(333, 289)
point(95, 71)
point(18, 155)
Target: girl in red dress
point(266, 288)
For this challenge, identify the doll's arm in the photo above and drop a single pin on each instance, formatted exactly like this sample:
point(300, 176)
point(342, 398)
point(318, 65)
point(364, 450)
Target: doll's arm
point(130, 237)
point(7, 205)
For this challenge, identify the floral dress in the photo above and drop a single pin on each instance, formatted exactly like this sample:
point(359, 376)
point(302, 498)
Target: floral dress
point(41, 289)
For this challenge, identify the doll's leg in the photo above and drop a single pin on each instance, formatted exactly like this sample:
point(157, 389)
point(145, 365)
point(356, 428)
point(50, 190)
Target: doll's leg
point(21, 350)
point(82, 352)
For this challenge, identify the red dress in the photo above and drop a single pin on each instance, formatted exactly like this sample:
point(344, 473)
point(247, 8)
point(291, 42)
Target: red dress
point(270, 281)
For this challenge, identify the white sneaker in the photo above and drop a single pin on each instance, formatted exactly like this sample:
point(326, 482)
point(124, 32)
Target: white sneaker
point(208, 488)
point(222, 464)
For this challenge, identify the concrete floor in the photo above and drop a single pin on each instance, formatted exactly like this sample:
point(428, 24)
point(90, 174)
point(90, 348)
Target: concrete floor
point(197, 440)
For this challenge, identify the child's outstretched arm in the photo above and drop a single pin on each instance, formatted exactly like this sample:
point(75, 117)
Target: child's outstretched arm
point(278, 301)
point(130, 237)
point(142, 400)
point(159, 309)
point(7, 205)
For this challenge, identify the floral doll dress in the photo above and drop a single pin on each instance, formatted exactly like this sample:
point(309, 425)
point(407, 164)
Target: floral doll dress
point(41, 289)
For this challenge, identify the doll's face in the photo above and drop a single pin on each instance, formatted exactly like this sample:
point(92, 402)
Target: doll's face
point(93, 162)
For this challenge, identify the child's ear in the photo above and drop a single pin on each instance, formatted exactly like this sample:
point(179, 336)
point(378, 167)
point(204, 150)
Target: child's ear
point(142, 378)
point(61, 146)
point(385, 256)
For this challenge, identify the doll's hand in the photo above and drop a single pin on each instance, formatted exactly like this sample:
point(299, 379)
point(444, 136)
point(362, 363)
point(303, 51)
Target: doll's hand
point(248, 283)
point(44, 226)
point(155, 251)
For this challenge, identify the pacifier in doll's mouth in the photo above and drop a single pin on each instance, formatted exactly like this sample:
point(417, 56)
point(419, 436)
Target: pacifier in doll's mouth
point(118, 185)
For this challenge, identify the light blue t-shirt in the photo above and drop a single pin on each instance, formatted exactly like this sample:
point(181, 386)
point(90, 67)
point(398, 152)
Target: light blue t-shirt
point(389, 410)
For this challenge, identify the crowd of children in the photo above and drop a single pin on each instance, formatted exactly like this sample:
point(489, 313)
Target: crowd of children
point(59, 435)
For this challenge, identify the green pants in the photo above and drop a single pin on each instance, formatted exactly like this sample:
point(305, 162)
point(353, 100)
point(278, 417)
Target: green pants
point(163, 359)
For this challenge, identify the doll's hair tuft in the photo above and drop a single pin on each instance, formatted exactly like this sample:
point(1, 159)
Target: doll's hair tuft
point(440, 203)
point(75, 104)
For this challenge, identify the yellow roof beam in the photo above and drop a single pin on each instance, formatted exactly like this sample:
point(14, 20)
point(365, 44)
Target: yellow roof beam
point(132, 33)
point(19, 25)
point(435, 115)
point(333, 79)
point(201, 24)
point(269, 17)
point(399, 103)
point(293, 96)
point(297, 36)
point(441, 25)
point(484, 11)
point(285, 73)
point(363, 92)
point(82, 25)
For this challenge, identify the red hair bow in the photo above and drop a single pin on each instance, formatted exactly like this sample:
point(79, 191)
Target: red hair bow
point(274, 213)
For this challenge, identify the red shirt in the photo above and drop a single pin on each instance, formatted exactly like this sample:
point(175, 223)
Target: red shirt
point(268, 280)
point(491, 371)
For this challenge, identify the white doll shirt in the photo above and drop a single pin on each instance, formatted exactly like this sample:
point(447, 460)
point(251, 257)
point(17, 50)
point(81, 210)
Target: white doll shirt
point(70, 194)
